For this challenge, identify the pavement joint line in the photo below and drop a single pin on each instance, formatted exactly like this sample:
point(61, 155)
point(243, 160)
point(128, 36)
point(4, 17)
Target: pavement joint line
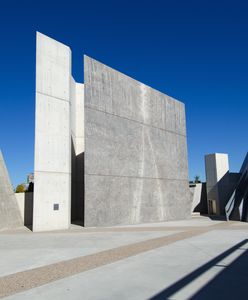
point(32, 278)
point(121, 229)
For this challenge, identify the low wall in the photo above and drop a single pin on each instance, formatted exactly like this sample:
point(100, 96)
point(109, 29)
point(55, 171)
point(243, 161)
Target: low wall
point(199, 198)
point(25, 204)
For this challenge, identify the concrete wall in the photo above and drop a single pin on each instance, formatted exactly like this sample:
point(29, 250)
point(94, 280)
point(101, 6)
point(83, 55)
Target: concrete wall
point(226, 186)
point(135, 151)
point(77, 153)
point(25, 205)
point(216, 166)
point(52, 169)
point(217, 174)
point(115, 146)
point(237, 206)
point(199, 198)
point(10, 216)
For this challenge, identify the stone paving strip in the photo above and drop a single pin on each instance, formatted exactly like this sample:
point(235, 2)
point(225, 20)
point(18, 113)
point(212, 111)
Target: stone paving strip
point(25, 280)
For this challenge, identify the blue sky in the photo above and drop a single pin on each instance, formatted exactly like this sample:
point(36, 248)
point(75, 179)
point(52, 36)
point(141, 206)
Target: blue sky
point(195, 51)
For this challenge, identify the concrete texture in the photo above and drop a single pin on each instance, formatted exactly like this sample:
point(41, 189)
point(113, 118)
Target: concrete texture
point(199, 198)
point(226, 186)
point(10, 216)
point(52, 167)
point(107, 152)
point(216, 167)
point(135, 151)
point(203, 263)
point(220, 182)
point(25, 205)
point(25, 251)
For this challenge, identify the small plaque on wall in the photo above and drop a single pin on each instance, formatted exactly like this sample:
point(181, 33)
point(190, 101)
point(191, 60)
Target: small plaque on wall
point(56, 206)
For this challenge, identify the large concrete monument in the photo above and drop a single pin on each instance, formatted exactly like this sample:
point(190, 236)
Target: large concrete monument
point(135, 151)
point(111, 151)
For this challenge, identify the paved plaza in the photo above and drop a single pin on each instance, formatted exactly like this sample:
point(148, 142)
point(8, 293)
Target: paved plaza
point(197, 258)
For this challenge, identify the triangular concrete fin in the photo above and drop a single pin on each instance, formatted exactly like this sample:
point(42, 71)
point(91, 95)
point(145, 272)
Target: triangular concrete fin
point(10, 216)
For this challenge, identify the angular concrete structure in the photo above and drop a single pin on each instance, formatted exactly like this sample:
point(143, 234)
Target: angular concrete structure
point(199, 198)
point(237, 206)
point(111, 151)
point(135, 151)
point(220, 182)
point(10, 216)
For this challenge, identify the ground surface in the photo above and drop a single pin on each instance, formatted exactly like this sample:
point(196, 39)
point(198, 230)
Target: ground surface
point(194, 259)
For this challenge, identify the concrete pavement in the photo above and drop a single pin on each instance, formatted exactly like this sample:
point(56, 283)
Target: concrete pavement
point(172, 260)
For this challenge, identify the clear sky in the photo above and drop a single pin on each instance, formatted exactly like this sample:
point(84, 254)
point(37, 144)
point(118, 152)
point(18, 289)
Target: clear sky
point(195, 51)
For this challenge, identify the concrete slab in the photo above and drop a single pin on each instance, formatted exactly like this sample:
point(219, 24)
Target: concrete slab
point(181, 270)
point(27, 251)
point(195, 221)
point(135, 151)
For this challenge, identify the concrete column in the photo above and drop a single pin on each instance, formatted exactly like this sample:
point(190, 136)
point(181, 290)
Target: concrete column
point(52, 170)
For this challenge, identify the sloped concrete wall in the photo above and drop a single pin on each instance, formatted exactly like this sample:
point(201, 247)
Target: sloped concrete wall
point(196, 195)
point(135, 151)
point(52, 168)
point(199, 198)
point(10, 216)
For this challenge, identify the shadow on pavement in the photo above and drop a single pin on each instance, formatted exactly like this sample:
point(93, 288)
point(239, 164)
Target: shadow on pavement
point(231, 283)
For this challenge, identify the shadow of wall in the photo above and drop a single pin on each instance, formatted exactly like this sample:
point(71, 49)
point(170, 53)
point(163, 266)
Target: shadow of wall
point(28, 209)
point(226, 186)
point(240, 212)
point(223, 190)
point(230, 283)
point(77, 187)
point(245, 209)
point(202, 206)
